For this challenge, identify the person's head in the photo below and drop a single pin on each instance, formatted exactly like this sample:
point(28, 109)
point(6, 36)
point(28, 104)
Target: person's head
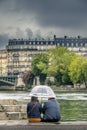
point(34, 99)
point(51, 97)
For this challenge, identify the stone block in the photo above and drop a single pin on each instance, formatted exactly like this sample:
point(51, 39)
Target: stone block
point(1, 110)
point(13, 115)
point(23, 115)
point(23, 108)
point(8, 102)
point(12, 108)
point(3, 116)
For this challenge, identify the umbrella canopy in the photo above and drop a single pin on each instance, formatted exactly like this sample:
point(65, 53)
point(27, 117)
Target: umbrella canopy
point(42, 91)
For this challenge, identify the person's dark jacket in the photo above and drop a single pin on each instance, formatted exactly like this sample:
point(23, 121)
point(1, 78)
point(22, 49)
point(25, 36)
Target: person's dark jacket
point(36, 112)
point(51, 110)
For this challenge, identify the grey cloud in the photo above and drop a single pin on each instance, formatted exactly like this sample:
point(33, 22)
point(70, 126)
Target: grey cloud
point(51, 13)
point(38, 34)
point(3, 40)
point(61, 13)
point(29, 33)
point(66, 15)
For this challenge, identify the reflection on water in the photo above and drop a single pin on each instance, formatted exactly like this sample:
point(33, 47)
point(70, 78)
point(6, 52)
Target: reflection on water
point(73, 110)
point(73, 105)
point(14, 95)
point(72, 96)
point(25, 95)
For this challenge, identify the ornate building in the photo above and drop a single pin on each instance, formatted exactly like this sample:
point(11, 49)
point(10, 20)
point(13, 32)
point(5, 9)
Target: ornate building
point(3, 62)
point(17, 56)
point(75, 44)
point(20, 53)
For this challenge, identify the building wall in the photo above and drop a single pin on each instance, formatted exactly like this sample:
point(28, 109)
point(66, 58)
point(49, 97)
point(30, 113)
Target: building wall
point(75, 44)
point(20, 53)
point(17, 56)
point(3, 62)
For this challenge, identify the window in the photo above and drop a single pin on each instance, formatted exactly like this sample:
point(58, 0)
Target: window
point(67, 44)
point(34, 43)
point(46, 43)
point(85, 44)
point(51, 43)
point(41, 42)
point(81, 44)
point(62, 44)
point(58, 44)
point(24, 43)
point(72, 44)
point(76, 44)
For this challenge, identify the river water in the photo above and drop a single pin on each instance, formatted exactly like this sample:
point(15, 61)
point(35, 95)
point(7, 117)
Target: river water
point(25, 95)
point(73, 106)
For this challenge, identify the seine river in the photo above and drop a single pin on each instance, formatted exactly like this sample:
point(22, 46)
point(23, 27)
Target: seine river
point(73, 106)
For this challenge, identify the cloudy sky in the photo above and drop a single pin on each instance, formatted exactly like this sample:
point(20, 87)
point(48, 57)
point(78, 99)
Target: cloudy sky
point(42, 18)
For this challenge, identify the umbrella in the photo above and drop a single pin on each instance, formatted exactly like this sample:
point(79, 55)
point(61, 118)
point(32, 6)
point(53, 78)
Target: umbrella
point(42, 91)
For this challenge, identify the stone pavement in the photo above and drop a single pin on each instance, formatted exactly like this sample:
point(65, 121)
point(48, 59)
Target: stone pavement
point(24, 125)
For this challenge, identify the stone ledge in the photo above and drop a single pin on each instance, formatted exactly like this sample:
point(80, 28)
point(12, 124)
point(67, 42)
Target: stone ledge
point(25, 122)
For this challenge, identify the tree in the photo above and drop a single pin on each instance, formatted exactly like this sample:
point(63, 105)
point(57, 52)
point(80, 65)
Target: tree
point(55, 59)
point(78, 70)
point(60, 59)
point(39, 66)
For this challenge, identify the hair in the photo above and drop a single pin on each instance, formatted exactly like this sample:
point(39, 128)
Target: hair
point(34, 99)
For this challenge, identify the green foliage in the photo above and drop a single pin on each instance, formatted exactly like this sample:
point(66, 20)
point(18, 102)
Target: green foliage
point(65, 66)
point(55, 59)
point(40, 65)
point(78, 70)
point(60, 59)
point(42, 78)
point(49, 82)
point(28, 86)
point(58, 79)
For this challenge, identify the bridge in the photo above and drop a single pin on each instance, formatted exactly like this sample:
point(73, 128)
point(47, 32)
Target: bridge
point(9, 80)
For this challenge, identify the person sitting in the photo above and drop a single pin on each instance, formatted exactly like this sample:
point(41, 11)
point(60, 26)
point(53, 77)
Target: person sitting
point(51, 111)
point(34, 109)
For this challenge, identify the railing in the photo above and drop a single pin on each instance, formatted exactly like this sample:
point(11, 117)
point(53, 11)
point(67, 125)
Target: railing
point(8, 80)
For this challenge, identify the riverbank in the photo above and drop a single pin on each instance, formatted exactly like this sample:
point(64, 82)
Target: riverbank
point(25, 122)
point(73, 105)
point(22, 125)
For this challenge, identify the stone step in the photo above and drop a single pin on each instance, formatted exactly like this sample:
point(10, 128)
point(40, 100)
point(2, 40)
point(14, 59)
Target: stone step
point(3, 116)
point(11, 109)
point(8, 102)
point(16, 115)
point(14, 108)
point(13, 101)
point(23, 101)
point(1, 109)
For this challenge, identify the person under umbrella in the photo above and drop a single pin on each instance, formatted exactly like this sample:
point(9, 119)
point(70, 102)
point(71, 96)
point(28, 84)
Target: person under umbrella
point(34, 110)
point(51, 110)
point(42, 91)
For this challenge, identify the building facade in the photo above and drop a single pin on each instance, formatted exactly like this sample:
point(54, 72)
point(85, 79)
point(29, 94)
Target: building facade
point(17, 56)
point(3, 62)
point(20, 53)
point(75, 44)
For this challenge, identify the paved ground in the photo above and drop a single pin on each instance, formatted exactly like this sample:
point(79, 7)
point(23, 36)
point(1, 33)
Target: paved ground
point(24, 125)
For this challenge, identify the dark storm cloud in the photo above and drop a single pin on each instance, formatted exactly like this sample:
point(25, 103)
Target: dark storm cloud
point(3, 40)
point(55, 14)
point(61, 13)
point(29, 33)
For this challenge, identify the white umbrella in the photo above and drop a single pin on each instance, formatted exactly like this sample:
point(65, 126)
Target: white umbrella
point(42, 91)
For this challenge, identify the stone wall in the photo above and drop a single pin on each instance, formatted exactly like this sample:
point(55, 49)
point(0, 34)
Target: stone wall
point(11, 109)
